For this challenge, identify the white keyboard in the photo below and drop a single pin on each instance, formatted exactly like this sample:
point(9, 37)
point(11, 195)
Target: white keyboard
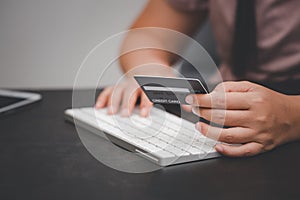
point(162, 137)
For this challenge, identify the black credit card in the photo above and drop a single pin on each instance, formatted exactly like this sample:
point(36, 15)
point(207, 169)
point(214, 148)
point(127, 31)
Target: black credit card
point(166, 90)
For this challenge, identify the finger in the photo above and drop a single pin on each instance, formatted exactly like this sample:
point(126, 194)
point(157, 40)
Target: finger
point(234, 86)
point(248, 149)
point(230, 101)
point(145, 105)
point(235, 135)
point(128, 102)
point(115, 100)
point(103, 97)
point(187, 108)
point(224, 117)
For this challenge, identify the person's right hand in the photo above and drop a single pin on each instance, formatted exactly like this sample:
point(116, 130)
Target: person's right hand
point(123, 97)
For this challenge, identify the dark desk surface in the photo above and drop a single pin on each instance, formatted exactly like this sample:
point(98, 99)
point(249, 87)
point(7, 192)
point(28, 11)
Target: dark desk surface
point(41, 157)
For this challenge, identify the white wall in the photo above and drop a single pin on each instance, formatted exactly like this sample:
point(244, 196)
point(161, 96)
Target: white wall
point(43, 42)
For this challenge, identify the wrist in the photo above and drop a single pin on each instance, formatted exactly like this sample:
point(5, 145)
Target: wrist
point(294, 117)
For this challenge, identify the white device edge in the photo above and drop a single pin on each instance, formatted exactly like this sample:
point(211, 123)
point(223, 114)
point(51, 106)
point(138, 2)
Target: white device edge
point(28, 97)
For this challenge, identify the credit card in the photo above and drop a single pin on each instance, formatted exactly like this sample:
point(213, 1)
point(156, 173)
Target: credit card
point(166, 90)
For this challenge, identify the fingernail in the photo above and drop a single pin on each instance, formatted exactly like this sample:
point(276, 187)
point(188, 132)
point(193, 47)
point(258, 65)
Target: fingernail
point(98, 104)
point(189, 99)
point(219, 148)
point(110, 110)
point(198, 127)
point(144, 112)
point(195, 110)
point(125, 112)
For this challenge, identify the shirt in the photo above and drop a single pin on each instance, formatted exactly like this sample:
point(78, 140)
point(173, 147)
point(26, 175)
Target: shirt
point(278, 36)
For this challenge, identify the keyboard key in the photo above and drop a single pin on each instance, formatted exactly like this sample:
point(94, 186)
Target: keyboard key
point(157, 142)
point(176, 151)
point(163, 154)
point(194, 151)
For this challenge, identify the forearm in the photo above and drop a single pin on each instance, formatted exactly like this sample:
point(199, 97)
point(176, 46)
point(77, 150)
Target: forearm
point(161, 15)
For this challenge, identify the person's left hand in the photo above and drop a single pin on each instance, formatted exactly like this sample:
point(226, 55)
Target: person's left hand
point(259, 118)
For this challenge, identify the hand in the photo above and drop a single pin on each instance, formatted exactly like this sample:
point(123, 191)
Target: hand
point(123, 96)
point(259, 118)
